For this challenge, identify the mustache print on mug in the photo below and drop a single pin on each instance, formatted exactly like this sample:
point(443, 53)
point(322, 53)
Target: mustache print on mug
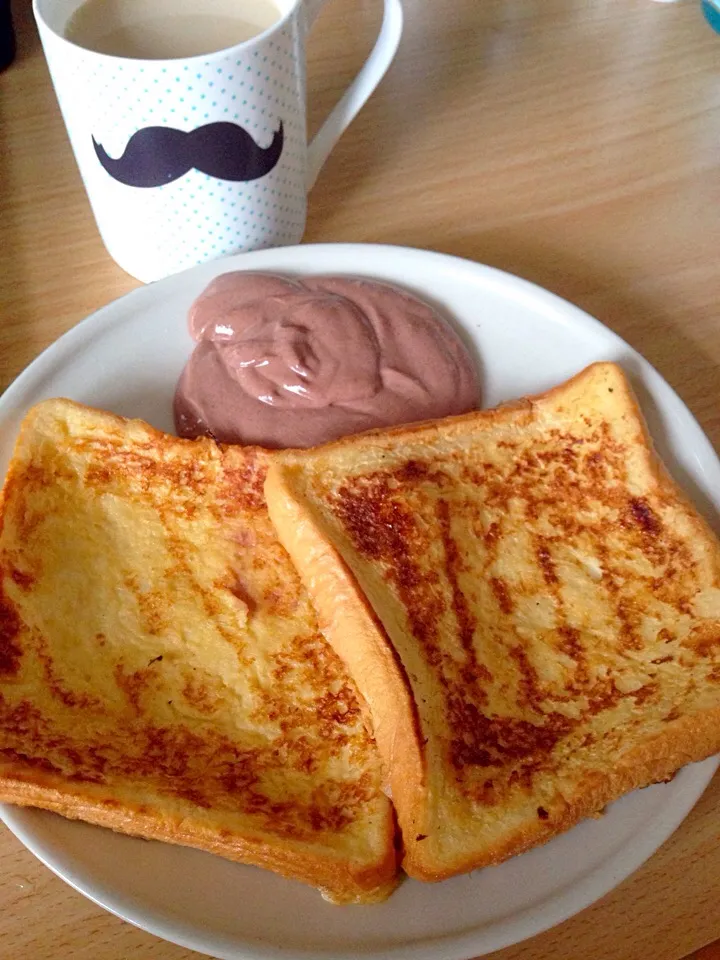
point(158, 155)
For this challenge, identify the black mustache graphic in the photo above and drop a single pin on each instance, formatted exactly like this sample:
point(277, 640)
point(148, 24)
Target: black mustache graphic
point(157, 155)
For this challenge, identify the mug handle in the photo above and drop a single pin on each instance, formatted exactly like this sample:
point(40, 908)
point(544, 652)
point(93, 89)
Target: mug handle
point(370, 75)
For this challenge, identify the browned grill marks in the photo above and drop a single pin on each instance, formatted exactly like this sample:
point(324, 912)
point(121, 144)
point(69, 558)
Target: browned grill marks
point(11, 755)
point(385, 530)
point(242, 489)
point(24, 580)
point(502, 594)
point(197, 693)
point(453, 568)
point(530, 691)
point(542, 551)
point(499, 741)
point(571, 645)
point(646, 693)
point(10, 650)
point(115, 462)
point(643, 514)
point(492, 536)
point(133, 683)
point(55, 683)
point(704, 639)
point(152, 606)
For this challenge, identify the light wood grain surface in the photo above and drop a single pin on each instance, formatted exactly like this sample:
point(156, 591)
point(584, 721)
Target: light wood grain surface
point(573, 142)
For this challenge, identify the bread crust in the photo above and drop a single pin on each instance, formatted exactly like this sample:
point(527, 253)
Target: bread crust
point(340, 881)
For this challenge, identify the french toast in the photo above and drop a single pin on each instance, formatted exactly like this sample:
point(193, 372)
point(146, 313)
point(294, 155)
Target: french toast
point(161, 668)
point(528, 603)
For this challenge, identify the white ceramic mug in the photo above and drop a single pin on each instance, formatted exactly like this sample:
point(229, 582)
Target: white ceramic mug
point(219, 161)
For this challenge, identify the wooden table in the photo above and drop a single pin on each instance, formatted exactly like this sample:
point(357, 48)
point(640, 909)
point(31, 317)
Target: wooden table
point(573, 142)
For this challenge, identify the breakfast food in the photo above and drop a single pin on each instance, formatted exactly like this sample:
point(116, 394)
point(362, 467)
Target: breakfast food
point(287, 362)
point(161, 668)
point(528, 603)
point(529, 607)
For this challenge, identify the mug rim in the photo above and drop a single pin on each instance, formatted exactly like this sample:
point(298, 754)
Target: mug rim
point(242, 45)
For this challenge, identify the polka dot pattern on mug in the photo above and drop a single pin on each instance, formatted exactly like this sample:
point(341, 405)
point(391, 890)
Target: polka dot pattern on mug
point(196, 216)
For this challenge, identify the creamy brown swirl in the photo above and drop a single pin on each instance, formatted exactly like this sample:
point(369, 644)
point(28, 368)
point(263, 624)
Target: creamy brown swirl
point(286, 362)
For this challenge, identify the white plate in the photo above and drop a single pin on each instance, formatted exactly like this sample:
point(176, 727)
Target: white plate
point(127, 358)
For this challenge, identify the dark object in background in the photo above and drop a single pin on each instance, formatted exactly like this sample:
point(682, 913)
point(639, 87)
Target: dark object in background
point(7, 35)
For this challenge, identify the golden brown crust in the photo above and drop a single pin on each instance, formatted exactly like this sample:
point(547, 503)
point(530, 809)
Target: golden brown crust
point(554, 600)
point(689, 739)
point(161, 667)
point(341, 880)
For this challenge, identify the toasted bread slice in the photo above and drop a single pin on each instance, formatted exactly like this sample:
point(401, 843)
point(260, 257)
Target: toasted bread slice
point(543, 627)
point(161, 668)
